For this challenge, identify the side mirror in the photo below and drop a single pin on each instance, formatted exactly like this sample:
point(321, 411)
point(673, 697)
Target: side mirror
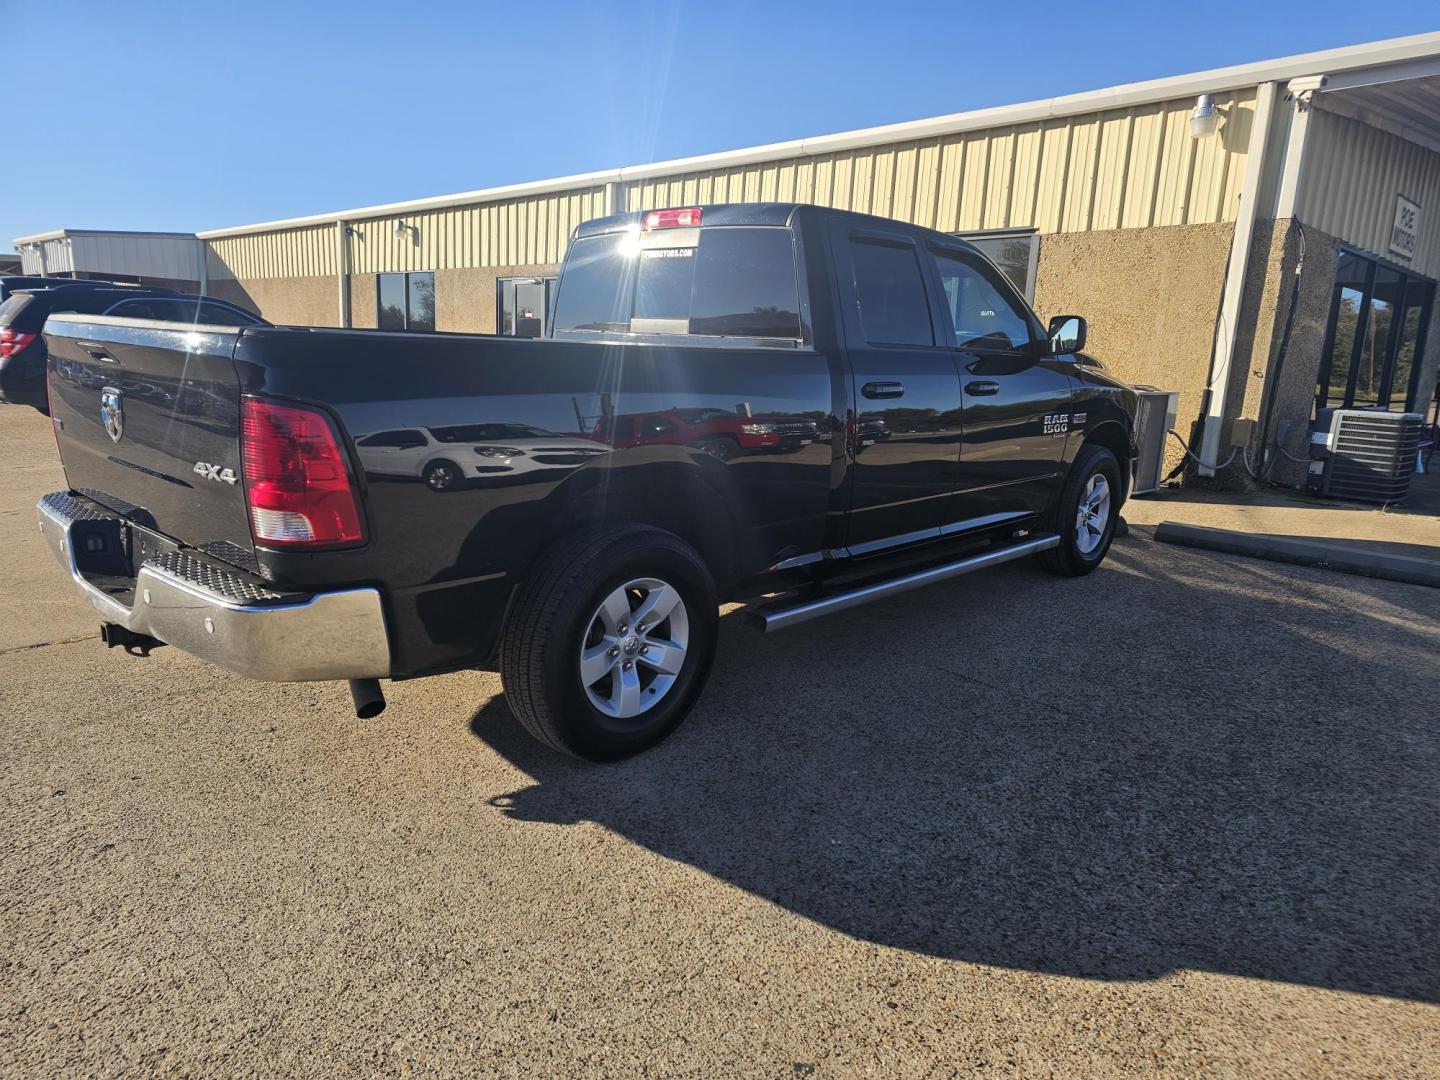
point(1067, 335)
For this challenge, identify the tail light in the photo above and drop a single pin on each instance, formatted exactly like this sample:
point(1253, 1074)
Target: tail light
point(13, 342)
point(297, 480)
point(687, 218)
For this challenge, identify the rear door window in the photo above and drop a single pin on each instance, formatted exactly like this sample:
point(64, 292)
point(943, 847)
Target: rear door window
point(220, 315)
point(724, 282)
point(404, 439)
point(138, 309)
point(890, 292)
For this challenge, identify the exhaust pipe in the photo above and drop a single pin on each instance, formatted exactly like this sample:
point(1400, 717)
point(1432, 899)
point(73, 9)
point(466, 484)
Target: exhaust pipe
point(368, 697)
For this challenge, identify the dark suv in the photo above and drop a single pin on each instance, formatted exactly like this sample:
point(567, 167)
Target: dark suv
point(12, 283)
point(23, 315)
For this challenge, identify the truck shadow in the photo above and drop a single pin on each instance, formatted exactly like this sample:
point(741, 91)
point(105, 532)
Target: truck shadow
point(1177, 763)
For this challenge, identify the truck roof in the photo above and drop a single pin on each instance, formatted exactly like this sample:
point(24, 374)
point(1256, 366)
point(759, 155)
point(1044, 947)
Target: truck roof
point(710, 214)
point(760, 213)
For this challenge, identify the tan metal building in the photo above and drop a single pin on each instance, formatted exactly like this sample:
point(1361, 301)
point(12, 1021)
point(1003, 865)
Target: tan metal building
point(1173, 213)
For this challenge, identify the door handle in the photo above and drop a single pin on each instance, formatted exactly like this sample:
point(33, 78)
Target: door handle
point(883, 389)
point(97, 351)
point(982, 388)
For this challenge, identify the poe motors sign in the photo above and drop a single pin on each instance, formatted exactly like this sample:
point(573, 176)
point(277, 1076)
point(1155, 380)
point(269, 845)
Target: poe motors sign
point(1406, 230)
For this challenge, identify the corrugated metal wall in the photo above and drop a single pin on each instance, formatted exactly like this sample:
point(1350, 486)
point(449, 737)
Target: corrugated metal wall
point(1353, 173)
point(516, 232)
point(53, 257)
point(138, 254)
point(166, 257)
point(1127, 168)
point(307, 252)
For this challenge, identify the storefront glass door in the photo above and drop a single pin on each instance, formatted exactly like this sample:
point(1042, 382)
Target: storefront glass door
point(1375, 335)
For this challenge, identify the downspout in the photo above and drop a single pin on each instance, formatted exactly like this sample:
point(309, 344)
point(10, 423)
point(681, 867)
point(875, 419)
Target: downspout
point(1217, 386)
point(342, 270)
point(614, 198)
point(202, 267)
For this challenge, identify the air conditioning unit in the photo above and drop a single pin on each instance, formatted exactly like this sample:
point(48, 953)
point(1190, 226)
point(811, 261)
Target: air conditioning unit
point(1365, 455)
point(1155, 418)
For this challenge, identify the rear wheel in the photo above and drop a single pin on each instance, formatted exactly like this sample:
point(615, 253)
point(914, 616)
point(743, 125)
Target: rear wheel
point(1086, 514)
point(610, 642)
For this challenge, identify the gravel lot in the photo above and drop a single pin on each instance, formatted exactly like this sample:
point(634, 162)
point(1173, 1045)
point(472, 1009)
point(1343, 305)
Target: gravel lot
point(1181, 816)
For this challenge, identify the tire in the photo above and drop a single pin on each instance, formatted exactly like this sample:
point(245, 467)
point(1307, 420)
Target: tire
point(1083, 545)
point(559, 618)
point(722, 448)
point(442, 476)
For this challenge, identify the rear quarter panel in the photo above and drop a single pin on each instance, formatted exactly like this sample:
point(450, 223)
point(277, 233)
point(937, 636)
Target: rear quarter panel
point(448, 560)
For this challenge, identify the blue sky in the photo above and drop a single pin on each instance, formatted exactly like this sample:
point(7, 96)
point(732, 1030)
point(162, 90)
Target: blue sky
point(196, 115)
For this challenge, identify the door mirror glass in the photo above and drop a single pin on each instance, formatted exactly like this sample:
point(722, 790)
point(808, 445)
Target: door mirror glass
point(1067, 335)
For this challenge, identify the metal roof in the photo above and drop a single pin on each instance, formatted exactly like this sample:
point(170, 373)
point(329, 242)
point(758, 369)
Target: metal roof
point(57, 234)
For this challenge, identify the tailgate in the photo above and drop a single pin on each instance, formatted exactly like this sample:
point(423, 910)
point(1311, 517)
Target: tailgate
point(147, 419)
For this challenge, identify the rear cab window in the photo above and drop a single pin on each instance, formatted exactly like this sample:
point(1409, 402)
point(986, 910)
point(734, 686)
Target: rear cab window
point(722, 283)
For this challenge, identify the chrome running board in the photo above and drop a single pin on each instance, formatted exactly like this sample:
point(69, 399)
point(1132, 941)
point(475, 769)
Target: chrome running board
point(781, 617)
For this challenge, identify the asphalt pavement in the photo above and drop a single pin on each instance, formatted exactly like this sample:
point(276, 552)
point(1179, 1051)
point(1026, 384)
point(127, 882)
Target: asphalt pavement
point(1179, 817)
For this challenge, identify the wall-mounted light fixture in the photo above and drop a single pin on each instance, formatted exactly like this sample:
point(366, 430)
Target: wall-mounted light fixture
point(403, 227)
point(1204, 118)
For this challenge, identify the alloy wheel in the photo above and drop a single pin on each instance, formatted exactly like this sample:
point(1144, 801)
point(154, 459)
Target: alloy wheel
point(1093, 514)
point(634, 648)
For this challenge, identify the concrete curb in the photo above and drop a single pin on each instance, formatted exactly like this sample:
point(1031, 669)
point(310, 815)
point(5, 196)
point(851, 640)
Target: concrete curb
point(1321, 553)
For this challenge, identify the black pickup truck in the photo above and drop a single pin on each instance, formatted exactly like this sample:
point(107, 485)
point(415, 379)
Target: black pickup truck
point(738, 402)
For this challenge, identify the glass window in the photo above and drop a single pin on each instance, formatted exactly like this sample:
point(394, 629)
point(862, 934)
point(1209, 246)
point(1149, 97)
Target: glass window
point(524, 304)
point(420, 314)
point(745, 284)
point(223, 315)
point(405, 301)
point(1352, 275)
point(730, 282)
point(1419, 297)
point(466, 433)
point(404, 439)
point(983, 316)
point(891, 293)
point(12, 307)
point(664, 280)
point(1378, 315)
point(391, 313)
point(595, 285)
point(1369, 364)
point(135, 309)
point(1014, 255)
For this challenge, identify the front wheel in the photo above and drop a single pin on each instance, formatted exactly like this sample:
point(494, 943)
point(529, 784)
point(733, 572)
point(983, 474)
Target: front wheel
point(1086, 514)
point(610, 642)
point(442, 476)
point(723, 448)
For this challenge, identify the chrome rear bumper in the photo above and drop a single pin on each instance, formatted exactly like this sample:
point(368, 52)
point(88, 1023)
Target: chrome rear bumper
point(227, 618)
